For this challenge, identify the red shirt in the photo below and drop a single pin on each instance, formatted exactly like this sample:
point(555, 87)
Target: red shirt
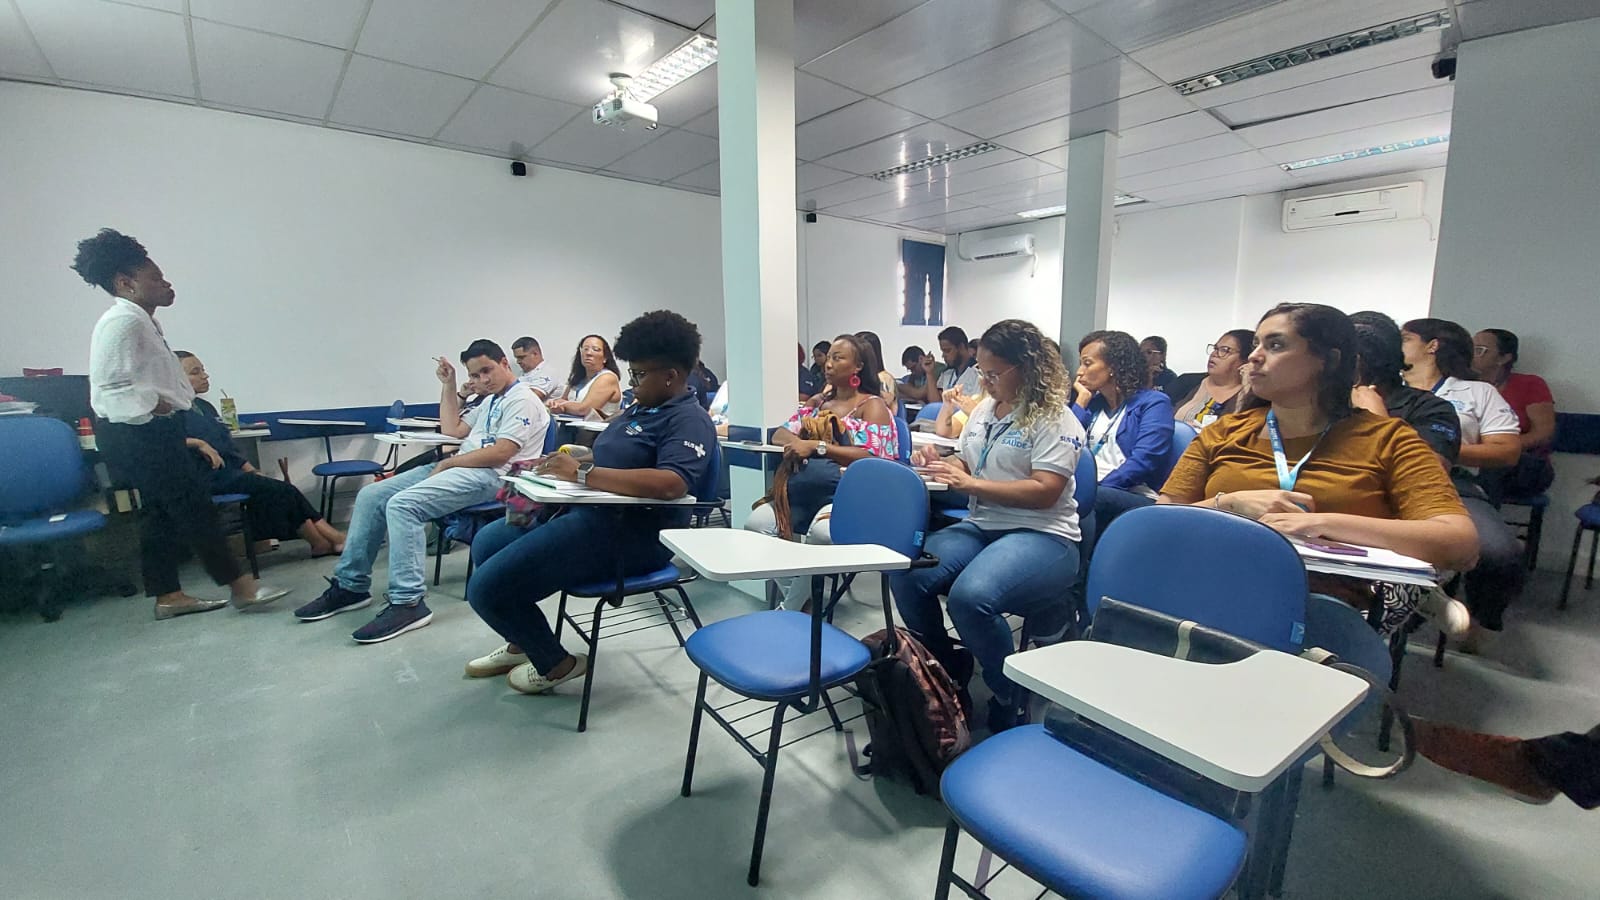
point(1522, 391)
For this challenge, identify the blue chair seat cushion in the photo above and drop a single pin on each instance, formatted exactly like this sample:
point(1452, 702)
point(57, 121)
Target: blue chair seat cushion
point(343, 467)
point(1589, 515)
point(666, 576)
point(1083, 829)
point(767, 655)
point(43, 530)
point(224, 499)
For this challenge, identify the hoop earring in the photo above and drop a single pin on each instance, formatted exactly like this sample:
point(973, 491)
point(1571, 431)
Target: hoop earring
point(855, 381)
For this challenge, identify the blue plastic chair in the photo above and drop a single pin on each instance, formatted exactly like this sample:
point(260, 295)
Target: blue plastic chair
point(929, 412)
point(41, 476)
point(1084, 828)
point(1588, 522)
point(656, 611)
point(242, 501)
point(334, 469)
point(902, 433)
point(1183, 434)
point(792, 659)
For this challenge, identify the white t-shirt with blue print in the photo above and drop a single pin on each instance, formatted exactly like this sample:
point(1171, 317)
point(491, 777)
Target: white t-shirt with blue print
point(516, 416)
point(997, 450)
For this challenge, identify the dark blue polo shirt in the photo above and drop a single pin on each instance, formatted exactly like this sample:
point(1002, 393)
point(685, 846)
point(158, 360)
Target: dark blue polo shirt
point(202, 421)
point(677, 436)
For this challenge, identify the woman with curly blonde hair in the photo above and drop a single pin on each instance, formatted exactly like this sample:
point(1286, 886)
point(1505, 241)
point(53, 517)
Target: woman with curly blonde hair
point(1017, 551)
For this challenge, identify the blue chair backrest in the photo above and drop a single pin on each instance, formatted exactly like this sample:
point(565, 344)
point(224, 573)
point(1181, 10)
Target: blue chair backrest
point(1183, 434)
point(1085, 482)
point(880, 502)
point(903, 437)
point(552, 435)
point(41, 466)
point(709, 488)
point(1167, 558)
point(929, 412)
point(1343, 631)
point(397, 410)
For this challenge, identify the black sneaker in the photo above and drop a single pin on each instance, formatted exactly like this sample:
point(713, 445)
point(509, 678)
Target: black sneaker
point(1002, 717)
point(393, 621)
point(333, 601)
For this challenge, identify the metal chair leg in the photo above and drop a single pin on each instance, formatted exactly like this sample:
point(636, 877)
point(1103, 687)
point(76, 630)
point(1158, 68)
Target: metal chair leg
point(561, 615)
point(947, 861)
point(1535, 534)
point(694, 735)
point(1594, 543)
point(249, 539)
point(438, 550)
point(771, 765)
point(1438, 651)
point(588, 675)
point(1572, 563)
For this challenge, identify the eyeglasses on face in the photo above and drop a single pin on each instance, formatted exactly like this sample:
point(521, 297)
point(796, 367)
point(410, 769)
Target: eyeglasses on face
point(1221, 350)
point(992, 377)
point(1480, 350)
point(637, 375)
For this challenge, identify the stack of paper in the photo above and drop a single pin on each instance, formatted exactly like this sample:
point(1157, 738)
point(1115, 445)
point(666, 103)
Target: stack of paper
point(1370, 563)
point(17, 408)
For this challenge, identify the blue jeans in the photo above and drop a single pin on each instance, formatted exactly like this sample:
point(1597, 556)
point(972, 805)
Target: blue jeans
point(1110, 502)
point(400, 509)
point(984, 574)
point(515, 568)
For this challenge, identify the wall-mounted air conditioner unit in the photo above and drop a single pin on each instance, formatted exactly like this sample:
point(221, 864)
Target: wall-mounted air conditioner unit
point(995, 248)
point(1391, 203)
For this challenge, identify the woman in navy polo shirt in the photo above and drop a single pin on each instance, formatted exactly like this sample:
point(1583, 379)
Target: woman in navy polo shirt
point(660, 447)
point(1129, 426)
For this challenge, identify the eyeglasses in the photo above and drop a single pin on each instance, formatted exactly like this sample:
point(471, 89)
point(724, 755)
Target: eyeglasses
point(637, 375)
point(1220, 350)
point(1480, 350)
point(992, 377)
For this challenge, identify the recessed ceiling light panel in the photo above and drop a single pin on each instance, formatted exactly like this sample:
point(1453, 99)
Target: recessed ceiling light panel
point(1365, 152)
point(949, 156)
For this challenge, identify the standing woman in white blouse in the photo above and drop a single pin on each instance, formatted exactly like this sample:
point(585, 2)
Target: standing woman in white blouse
point(137, 387)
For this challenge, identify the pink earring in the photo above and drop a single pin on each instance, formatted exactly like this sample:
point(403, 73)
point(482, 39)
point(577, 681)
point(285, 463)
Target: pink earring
point(855, 381)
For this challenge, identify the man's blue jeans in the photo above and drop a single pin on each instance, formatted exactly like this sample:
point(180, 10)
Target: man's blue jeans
point(515, 568)
point(400, 509)
point(985, 574)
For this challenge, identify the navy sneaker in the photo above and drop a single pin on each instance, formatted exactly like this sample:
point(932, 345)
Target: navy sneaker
point(333, 601)
point(393, 621)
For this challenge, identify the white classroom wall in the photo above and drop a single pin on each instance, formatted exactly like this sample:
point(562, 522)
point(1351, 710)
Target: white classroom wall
point(849, 282)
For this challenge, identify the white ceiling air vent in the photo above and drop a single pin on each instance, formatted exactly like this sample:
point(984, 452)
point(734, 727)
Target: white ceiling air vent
point(1391, 203)
point(995, 248)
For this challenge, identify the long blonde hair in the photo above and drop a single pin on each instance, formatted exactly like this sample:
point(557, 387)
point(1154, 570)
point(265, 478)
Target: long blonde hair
point(1044, 376)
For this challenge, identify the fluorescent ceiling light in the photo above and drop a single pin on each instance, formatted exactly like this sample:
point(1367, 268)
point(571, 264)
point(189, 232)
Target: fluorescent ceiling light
point(681, 64)
point(948, 156)
point(1333, 46)
point(1045, 212)
point(1395, 147)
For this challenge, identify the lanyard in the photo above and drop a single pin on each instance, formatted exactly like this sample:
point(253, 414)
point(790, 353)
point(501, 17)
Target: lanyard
point(1438, 384)
point(990, 439)
point(1111, 428)
point(1287, 476)
point(1204, 409)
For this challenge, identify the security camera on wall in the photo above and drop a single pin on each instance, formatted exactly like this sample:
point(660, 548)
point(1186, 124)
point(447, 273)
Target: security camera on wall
point(621, 109)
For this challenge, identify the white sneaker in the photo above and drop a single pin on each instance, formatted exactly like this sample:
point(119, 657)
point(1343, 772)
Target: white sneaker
point(264, 595)
point(501, 661)
point(1447, 613)
point(526, 678)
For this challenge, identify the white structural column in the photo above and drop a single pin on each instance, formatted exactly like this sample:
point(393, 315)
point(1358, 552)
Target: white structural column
point(755, 96)
point(1086, 251)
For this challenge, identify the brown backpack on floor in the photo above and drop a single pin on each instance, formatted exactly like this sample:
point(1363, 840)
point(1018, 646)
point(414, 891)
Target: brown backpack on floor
point(915, 720)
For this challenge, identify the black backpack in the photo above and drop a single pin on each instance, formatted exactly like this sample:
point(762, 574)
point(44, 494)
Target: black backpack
point(914, 717)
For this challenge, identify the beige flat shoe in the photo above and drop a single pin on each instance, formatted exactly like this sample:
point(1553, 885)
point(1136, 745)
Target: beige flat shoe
point(195, 605)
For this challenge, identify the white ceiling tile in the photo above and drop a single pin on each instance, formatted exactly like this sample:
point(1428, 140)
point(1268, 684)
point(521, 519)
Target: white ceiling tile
point(172, 6)
point(1211, 168)
point(707, 178)
point(966, 165)
point(18, 56)
point(669, 156)
point(810, 176)
point(1414, 47)
point(1237, 185)
point(1279, 26)
point(502, 121)
point(109, 44)
point(1038, 56)
point(813, 96)
point(1166, 132)
point(1087, 88)
point(1043, 187)
point(331, 22)
point(851, 189)
point(1014, 172)
point(1396, 78)
point(580, 42)
point(1360, 138)
point(1128, 112)
point(705, 124)
point(463, 37)
point(1131, 24)
point(264, 71)
point(1351, 116)
point(940, 207)
point(976, 216)
point(1181, 154)
point(584, 144)
point(899, 198)
point(368, 97)
point(688, 100)
point(821, 25)
point(857, 123)
point(928, 38)
point(924, 140)
point(688, 13)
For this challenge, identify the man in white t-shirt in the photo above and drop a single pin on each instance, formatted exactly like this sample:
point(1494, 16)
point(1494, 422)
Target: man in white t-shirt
point(507, 427)
point(959, 359)
point(530, 360)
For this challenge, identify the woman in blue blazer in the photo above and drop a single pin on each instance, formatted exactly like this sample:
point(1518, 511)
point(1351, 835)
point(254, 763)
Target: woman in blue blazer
point(1129, 426)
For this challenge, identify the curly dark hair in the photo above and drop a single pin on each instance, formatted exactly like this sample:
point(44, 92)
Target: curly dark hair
point(1122, 355)
point(1332, 337)
point(578, 374)
point(660, 336)
point(1454, 357)
point(1379, 358)
point(1038, 361)
point(108, 254)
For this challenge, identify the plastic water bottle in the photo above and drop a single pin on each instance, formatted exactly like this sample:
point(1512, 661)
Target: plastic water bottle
point(86, 435)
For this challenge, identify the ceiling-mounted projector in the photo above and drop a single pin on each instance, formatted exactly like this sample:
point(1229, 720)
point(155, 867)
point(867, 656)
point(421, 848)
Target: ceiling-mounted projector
point(621, 108)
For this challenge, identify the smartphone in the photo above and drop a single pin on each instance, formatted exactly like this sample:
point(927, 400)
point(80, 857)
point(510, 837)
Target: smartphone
point(1334, 547)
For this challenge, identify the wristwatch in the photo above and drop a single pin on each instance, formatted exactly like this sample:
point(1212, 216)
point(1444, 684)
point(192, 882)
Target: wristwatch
point(822, 448)
point(583, 472)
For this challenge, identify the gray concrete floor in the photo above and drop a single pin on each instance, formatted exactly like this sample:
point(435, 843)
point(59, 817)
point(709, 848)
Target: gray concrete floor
point(236, 755)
